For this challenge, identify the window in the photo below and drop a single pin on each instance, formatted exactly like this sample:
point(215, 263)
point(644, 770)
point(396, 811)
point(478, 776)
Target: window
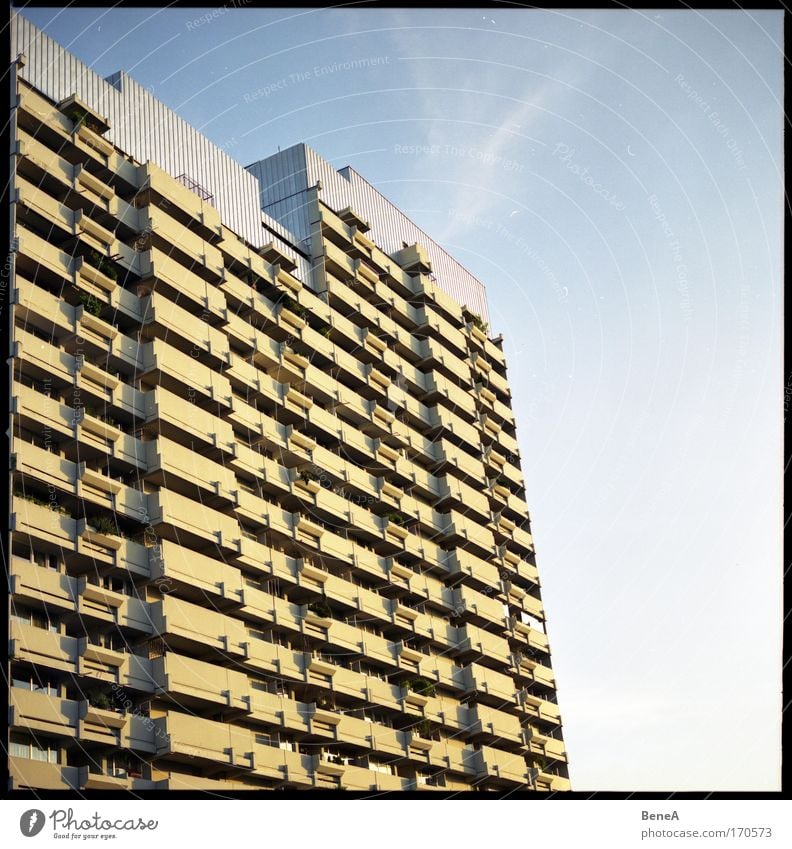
point(44, 752)
point(31, 682)
point(37, 618)
point(116, 642)
point(274, 687)
point(116, 766)
point(45, 560)
point(23, 746)
point(20, 746)
point(118, 585)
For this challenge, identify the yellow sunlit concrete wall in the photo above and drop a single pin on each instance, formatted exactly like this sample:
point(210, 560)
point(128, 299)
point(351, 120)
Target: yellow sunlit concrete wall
point(264, 534)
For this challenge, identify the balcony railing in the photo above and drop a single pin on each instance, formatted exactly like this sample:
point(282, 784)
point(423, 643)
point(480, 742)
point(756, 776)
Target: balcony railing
point(194, 186)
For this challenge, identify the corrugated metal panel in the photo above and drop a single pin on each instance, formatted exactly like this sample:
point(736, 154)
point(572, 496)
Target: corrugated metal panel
point(147, 129)
point(284, 177)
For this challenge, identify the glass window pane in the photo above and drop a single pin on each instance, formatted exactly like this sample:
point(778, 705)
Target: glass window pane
point(20, 750)
point(38, 754)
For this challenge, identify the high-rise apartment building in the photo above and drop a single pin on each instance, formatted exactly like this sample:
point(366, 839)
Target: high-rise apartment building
point(268, 526)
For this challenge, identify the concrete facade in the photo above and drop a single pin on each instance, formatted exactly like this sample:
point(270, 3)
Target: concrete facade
point(268, 525)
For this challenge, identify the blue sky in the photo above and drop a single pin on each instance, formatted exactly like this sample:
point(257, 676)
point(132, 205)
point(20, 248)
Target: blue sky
point(614, 178)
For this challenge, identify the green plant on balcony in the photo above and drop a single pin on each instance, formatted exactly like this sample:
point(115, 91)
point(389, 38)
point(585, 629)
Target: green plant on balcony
point(104, 525)
point(479, 323)
point(41, 502)
point(422, 686)
point(321, 609)
point(102, 264)
point(91, 304)
point(32, 498)
point(424, 728)
point(294, 306)
point(476, 320)
point(79, 116)
point(326, 331)
point(100, 700)
point(307, 475)
point(395, 518)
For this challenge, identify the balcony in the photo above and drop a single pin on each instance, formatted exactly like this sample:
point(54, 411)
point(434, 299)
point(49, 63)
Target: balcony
point(203, 217)
point(99, 658)
point(474, 641)
point(31, 583)
point(96, 540)
point(183, 330)
point(180, 736)
point(177, 417)
point(414, 259)
point(105, 721)
point(196, 684)
point(196, 576)
point(503, 767)
point(490, 686)
point(544, 746)
point(179, 373)
point(204, 259)
point(460, 530)
point(179, 468)
point(39, 308)
point(44, 359)
point(193, 629)
point(528, 635)
point(548, 782)
point(43, 647)
point(274, 252)
point(41, 713)
point(471, 569)
point(160, 271)
point(94, 780)
point(43, 113)
point(527, 667)
point(37, 775)
point(38, 522)
point(184, 520)
point(538, 708)
point(486, 723)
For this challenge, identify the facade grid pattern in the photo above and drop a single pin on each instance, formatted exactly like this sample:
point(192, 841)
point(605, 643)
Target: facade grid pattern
point(265, 532)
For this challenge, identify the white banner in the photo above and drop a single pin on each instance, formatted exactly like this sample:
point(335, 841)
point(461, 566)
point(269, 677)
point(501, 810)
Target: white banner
point(391, 822)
